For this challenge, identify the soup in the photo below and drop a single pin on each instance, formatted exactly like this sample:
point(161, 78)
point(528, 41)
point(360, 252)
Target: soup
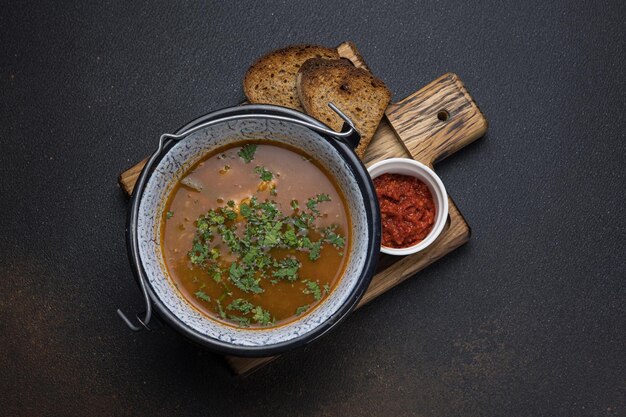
point(255, 235)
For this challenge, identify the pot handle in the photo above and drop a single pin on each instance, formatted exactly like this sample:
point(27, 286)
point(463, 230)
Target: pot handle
point(132, 229)
point(348, 134)
point(348, 131)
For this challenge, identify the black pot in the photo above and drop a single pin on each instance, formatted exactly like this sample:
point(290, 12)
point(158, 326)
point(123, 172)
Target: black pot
point(176, 153)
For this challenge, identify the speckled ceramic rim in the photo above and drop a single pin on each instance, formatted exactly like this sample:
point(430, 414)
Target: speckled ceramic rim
point(414, 168)
point(370, 202)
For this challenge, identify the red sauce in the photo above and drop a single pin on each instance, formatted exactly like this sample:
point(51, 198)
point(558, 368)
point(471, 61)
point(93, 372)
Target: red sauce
point(407, 209)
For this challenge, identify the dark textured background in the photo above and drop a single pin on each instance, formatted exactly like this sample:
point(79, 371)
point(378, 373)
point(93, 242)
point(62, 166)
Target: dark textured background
point(527, 319)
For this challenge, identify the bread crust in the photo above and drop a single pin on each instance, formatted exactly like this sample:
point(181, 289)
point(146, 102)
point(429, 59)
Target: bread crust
point(272, 78)
point(360, 95)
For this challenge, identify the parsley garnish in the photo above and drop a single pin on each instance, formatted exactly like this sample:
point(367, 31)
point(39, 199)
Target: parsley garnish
point(287, 269)
point(261, 316)
point(199, 252)
point(264, 174)
point(314, 253)
point(245, 307)
point(312, 203)
point(221, 310)
point(242, 321)
point(251, 231)
point(312, 287)
point(203, 296)
point(244, 279)
point(290, 238)
point(247, 152)
point(169, 215)
point(302, 309)
point(333, 238)
point(241, 305)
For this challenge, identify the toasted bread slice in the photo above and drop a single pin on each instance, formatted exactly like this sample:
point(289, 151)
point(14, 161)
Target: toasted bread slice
point(360, 95)
point(272, 78)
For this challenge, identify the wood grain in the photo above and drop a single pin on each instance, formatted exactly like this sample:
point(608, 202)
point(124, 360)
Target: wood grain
point(408, 130)
point(438, 120)
point(348, 50)
point(128, 178)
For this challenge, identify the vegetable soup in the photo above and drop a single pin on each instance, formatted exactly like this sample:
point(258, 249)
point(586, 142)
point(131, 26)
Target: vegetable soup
point(255, 234)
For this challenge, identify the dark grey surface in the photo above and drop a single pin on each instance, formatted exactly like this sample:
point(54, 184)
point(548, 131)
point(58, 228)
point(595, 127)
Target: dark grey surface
point(529, 318)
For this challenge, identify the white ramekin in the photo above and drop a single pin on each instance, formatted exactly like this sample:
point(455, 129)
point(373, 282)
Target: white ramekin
point(413, 168)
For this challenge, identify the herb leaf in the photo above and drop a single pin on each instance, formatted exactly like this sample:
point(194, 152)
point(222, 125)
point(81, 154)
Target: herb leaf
point(241, 321)
point(287, 269)
point(264, 174)
point(312, 203)
point(221, 310)
point(302, 309)
point(199, 252)
point(203, 296)
point(261, 316)
point(312, 287)
point(244, 280)
point(242, 305)
point(334, 239)
point(247, 152)
point(314, 253)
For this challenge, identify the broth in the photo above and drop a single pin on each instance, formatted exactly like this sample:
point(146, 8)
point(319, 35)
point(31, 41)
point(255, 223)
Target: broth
point(255, 235)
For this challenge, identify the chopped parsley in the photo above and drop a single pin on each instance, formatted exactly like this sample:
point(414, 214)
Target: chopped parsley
point(302, 309)
point(315, 250)
point(333, 238)
point(264, 174)
point(312, 203)
point(241, 305)
point(203, 296)
point(220, 309)
point(244, 279)
point(262, 316)
point(169, 215)
point(312, 287)
point(287, 269)
point(247, 152)
point(243, 246)
point(242, 321)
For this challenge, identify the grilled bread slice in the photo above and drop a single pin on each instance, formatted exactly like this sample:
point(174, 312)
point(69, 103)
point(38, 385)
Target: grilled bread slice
point(360, 95)
point(272, 78)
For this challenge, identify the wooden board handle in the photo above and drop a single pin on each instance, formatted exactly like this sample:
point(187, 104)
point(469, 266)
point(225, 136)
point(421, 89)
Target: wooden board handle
point(438, 120)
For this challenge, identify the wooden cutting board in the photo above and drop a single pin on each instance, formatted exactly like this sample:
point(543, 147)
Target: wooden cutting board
point(428, 125)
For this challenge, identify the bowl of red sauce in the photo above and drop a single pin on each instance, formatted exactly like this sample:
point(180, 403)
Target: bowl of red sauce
point(413, 205)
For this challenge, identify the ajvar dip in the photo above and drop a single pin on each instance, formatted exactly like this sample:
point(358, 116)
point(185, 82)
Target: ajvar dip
point(407, 209)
